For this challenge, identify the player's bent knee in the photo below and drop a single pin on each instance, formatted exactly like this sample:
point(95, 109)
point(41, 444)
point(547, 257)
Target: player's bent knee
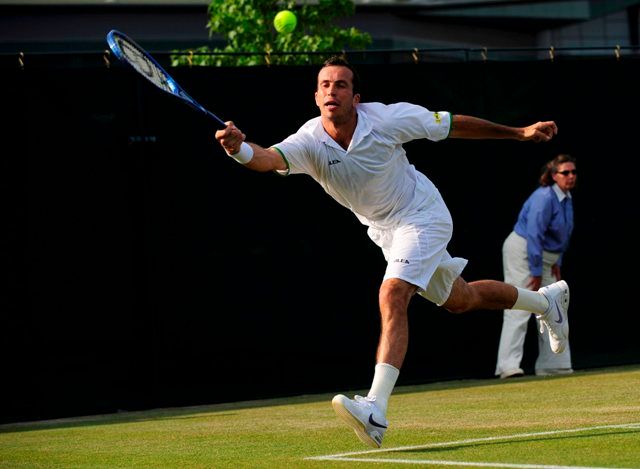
point(393, 291)
point(455, 308)
point(457, 301)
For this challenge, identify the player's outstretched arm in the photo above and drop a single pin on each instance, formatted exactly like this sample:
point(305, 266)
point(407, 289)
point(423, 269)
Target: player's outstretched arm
point(251, 155)
point(474, 127)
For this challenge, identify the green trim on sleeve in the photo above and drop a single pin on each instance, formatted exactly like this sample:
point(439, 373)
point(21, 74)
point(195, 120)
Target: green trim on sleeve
point(283, 172)
point(450, 125)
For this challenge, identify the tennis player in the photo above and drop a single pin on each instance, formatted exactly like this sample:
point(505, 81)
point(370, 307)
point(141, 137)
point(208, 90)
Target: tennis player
point(354, 151)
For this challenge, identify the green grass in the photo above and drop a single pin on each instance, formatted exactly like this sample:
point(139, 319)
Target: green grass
point(554, 421)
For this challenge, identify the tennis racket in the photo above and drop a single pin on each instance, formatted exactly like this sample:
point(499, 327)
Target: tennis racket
point(129, 52)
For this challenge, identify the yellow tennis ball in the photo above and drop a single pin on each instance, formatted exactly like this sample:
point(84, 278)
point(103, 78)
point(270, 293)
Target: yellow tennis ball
point(285, 21)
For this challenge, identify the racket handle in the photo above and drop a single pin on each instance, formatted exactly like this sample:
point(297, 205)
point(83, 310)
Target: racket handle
point(219, 122)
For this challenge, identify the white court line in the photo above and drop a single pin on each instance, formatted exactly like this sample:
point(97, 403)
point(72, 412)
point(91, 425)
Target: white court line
point(462, 463)
point(349, 456)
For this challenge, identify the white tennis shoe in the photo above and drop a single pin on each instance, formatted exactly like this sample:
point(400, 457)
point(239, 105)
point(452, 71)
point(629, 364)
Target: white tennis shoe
point(556, 317)
point(362, 414)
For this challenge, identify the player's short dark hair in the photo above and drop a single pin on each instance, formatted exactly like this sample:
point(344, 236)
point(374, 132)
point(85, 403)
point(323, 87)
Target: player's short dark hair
point(342, 61)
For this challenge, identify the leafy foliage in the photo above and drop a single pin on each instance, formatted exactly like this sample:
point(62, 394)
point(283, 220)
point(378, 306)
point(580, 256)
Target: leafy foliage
point(247, 26)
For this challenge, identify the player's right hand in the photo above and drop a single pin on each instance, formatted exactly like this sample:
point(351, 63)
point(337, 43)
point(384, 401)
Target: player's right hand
point(230, 138)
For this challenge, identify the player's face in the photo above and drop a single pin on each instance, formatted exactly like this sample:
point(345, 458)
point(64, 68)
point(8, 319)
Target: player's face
point(334, 95)
point(566, 176)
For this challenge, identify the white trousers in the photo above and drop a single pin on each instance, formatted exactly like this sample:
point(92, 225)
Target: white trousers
point(515, 322)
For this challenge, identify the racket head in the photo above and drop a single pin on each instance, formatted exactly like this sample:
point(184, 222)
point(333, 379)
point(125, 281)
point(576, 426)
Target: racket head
point(131, 53)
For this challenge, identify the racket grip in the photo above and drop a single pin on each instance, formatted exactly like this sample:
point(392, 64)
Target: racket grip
point(219, 122)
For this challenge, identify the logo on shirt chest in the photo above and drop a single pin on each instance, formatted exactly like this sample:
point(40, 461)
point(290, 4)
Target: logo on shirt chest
point(332, 162)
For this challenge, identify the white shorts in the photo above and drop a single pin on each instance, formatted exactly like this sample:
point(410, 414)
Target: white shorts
point(416, 251)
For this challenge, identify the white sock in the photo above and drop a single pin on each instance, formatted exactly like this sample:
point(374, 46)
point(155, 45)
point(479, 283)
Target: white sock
point(532, 301)
point(384, 380)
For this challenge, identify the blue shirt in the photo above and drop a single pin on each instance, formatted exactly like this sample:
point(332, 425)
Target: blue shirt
point(546, 222)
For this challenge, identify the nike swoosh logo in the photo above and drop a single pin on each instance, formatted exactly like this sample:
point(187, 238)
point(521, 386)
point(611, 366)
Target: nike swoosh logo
point(560, 318)
point(374, 423)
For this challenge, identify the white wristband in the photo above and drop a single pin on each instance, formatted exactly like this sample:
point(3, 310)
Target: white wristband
point(244, 155)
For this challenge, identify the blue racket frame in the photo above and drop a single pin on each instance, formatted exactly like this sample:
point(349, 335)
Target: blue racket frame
point(168, 84)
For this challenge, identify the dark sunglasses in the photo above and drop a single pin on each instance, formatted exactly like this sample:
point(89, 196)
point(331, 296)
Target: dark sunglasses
point(566, 172)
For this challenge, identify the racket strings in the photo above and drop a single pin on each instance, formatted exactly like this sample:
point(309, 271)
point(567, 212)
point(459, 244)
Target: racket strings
point(146, 67)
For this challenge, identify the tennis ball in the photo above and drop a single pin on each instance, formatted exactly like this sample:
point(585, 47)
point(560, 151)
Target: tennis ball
point(285, 21)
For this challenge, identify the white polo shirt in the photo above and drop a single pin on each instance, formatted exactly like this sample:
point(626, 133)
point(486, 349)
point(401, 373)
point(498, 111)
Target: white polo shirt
point(373, 177)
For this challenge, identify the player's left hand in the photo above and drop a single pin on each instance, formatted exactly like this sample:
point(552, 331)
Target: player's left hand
point(540, 131)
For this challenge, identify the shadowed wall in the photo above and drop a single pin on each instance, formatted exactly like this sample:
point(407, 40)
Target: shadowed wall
point(143, 268)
